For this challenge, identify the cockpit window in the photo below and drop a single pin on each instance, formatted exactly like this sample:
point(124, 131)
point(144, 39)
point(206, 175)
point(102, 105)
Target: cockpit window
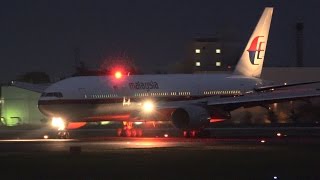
point(52, 94)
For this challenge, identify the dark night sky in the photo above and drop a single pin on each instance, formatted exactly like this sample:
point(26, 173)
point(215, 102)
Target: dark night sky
point(41, 35)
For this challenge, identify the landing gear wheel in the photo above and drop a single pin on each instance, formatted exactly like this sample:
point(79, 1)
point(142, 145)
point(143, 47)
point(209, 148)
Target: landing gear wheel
point(196, 134)
point(189, 134)
point(119, 132)
point(128, 132)
point(139, 132)
point(133, 133)
point(63, 135)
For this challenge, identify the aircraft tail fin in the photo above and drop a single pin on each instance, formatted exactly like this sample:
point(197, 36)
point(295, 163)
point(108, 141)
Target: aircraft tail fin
point(251, 62)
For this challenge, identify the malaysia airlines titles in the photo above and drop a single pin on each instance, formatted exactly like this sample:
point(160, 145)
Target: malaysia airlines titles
point(143, 85)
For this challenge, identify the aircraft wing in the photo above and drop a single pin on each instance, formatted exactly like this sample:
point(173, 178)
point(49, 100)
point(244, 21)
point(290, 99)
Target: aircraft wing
point(277, 86)
point(247, 100)
point(256, 99)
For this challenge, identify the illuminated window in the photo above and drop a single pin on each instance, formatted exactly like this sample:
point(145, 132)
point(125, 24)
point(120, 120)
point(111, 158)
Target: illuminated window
point(197, 51)
point(218, 63)
point(218, 51)
point(198, 64)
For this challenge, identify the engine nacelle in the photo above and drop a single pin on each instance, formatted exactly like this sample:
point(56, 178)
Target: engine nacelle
point(190, 117)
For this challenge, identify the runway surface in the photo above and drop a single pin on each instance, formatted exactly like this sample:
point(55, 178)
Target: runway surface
point(106, 144)
point(274, 153)
point(161, 158)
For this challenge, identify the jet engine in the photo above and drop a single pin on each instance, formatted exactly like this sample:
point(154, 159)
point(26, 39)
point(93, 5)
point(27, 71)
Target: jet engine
point(190, 117)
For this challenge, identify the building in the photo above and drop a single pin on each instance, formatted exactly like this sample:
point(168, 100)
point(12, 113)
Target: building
point(20, 107)
point(209, 54)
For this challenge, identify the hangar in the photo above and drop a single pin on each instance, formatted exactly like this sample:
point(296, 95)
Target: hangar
point(20, 106)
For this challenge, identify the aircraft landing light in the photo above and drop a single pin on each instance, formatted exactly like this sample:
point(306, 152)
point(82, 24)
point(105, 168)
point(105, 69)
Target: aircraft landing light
point(148, 106)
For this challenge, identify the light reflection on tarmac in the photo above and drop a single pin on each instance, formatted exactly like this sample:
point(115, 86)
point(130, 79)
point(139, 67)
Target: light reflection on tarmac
point(100, 141)
point(36, 140)
point(108, 143)
point(119, 144)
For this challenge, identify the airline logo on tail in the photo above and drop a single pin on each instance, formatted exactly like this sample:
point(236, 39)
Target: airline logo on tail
point(255, 50)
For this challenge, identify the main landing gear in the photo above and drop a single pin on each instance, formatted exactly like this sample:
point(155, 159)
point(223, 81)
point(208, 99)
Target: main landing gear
point(196, 133)
point(128, 130)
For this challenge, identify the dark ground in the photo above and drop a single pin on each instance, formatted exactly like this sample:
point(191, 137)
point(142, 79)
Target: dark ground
point(162, 158)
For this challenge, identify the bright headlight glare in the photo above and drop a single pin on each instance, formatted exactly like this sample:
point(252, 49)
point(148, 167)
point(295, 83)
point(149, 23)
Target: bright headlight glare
point(148, 106)
point(58, 122)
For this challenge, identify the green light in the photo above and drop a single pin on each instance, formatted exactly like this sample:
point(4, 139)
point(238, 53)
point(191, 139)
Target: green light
point(19, 106)
point(105, 122)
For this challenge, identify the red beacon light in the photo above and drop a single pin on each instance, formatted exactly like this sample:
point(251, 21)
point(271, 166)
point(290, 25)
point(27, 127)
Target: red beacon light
point(118, 75)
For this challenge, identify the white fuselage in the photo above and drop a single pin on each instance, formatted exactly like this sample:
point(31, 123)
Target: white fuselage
point(111, 98)
point(85, 97)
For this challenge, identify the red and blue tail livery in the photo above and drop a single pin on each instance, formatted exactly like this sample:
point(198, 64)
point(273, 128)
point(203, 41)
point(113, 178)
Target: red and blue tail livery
point(255, 50)
point(252, 58)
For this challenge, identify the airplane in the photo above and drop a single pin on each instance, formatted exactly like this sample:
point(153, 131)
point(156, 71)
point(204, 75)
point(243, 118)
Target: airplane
point(189, 101)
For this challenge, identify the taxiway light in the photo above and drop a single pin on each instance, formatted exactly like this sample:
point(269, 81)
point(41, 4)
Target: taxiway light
point(118, 75)
point(148, 106)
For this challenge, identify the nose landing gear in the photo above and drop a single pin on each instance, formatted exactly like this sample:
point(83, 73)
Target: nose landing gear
point(63, 134)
